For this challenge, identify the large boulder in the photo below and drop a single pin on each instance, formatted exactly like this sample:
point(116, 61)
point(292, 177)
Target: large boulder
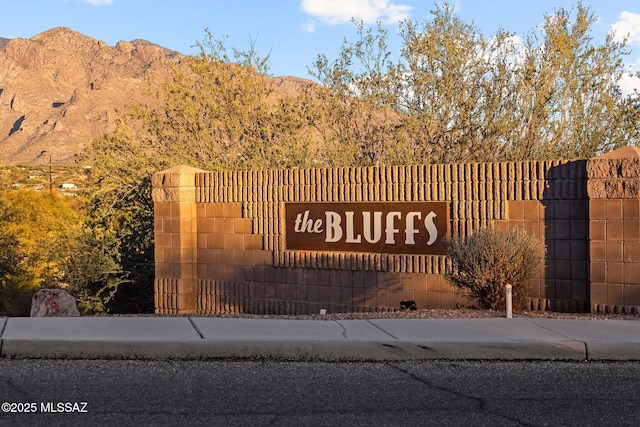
point(53, 303)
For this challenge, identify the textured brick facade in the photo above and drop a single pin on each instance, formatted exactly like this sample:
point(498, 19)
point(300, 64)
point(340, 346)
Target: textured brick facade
point(220, 237)
point(614, 227)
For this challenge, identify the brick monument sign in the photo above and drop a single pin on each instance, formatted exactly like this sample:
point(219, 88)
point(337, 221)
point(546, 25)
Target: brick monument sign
point(365, 238)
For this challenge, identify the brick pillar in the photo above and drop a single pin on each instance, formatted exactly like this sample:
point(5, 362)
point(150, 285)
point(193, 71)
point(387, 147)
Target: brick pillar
point(175, 228)
point(614, 230)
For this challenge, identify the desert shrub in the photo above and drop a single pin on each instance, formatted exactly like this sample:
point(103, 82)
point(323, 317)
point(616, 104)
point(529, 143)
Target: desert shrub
point(489, 259)
point(45, 243)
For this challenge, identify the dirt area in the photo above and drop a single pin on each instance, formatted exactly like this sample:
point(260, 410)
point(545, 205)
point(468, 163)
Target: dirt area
point(439, 314)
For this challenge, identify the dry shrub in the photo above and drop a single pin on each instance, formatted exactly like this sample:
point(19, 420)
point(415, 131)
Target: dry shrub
point(489, 259)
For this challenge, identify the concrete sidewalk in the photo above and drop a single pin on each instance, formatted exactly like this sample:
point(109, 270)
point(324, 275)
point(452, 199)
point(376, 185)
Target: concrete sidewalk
point(358, 340)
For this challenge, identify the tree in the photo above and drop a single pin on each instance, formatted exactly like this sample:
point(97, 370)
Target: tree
point(455, 88)
point(37, 224)
point(214, 115)
point(358, 120)
point(120, 210)
point(44, 243)
point(454, 96)
point(570, 86)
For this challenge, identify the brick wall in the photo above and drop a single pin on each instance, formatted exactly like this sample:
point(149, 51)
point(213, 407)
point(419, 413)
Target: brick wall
point(614, 227)
point(220, 238)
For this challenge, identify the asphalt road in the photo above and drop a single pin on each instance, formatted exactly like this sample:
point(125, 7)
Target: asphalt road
point(248, 393)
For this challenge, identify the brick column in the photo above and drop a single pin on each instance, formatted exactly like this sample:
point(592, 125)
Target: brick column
point(174, 196)
point(614, 230)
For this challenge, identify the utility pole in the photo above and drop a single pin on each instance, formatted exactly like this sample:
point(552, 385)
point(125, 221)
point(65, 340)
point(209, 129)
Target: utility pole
point(50, 175)
point(50, 171)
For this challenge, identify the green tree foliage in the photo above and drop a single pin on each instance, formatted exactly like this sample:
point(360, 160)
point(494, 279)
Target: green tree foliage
point(570, 83)
point(214, 115)
point(38, 225)
point(120, 211)
point(457, 96)
point(44, 243)
point(358, 122)
point(485, 262)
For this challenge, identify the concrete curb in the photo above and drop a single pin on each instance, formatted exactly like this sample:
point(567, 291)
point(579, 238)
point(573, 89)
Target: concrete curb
point(198, 338)
point(613, 351)
point(290, 350)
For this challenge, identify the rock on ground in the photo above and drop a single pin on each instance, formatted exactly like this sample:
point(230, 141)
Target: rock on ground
point(53, 303)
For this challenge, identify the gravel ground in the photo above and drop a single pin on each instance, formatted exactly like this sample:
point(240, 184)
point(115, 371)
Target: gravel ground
point(430, 314)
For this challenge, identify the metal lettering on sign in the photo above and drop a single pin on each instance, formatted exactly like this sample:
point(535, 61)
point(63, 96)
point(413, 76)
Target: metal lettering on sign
point(399, 228)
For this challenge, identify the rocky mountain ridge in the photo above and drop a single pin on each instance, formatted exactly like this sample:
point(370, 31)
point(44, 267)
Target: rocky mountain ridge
point(59, 89)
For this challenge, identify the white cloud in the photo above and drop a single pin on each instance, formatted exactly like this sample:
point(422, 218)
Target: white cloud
point(309, 26)
point(628, 84)
point(99, 2)
point(628, 25)
point(512, 47)
point(335, 12)
point(630, 81)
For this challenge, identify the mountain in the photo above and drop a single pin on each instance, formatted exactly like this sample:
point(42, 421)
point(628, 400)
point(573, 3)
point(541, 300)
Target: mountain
point(59, 89)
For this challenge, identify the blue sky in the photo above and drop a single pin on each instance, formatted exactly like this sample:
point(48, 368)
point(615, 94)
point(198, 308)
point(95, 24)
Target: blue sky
point(294, 32)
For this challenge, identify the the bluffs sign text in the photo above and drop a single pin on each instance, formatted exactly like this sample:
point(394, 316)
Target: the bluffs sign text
point(400, 227)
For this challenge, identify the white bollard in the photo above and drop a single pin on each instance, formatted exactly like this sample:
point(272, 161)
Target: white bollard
point(509, 301)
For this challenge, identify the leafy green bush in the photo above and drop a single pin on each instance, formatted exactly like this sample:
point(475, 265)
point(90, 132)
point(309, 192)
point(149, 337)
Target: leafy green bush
point(45, 243)
point(489, 259)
